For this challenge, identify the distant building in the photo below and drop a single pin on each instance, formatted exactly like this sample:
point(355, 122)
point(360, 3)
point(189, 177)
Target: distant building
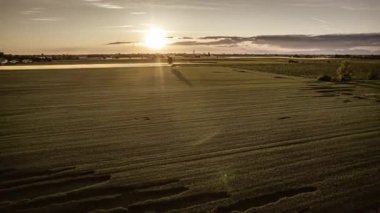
point(27, 61)
point(3, 61)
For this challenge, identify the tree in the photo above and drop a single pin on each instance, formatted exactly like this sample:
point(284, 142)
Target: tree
point(344, 71)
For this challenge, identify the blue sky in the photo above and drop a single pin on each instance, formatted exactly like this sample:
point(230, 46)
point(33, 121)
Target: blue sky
point(87, 26)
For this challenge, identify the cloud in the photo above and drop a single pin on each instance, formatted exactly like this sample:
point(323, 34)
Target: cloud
point(138, 13)
point(338, 4)
point(46, 19)
point(214, 40)
point(32, 11)
point(108, 6)
point(319, 20)
point(103, 4)
point(176, 5)
point(369, 42)
point(120, 26)
point(185, 7)
point(322, 41)
point(351, 8)
point(313, 4)
point(188, 43)
point(120, 43)
point(319, 44)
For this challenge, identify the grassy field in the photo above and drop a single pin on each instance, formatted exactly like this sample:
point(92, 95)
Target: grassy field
point(218, 137)
point(308, 68)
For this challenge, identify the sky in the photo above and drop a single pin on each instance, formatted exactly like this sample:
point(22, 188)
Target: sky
point(216, 26)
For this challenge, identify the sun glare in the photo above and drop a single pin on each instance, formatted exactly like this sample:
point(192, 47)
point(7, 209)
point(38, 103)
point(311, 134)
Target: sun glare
point(155, 38)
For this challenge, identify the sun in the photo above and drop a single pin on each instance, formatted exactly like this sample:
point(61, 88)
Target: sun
point(155, 38)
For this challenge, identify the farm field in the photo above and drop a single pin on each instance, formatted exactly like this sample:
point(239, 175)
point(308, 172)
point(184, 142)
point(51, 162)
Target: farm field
point(254, 135)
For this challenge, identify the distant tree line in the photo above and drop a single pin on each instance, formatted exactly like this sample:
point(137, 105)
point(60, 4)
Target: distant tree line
point(59, 57)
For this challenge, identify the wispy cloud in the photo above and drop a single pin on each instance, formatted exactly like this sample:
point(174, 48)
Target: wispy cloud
point(103, 4)
point(47, 19)
point(324, 25)
point(313, 4)
point(119, 26)
point(32, 11)
point(339, 4)
point(108, 6)
point(351, 8)
point(120, 43)
point(319, 20)
point(138, 13)
point(185, 6)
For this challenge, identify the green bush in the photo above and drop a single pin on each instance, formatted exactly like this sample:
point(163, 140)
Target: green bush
point(344, 72)
point(324, 78)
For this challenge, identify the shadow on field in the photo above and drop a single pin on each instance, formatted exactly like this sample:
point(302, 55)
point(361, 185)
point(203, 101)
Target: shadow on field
point(181, 77)
point(65, 189)
point(263, 200)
